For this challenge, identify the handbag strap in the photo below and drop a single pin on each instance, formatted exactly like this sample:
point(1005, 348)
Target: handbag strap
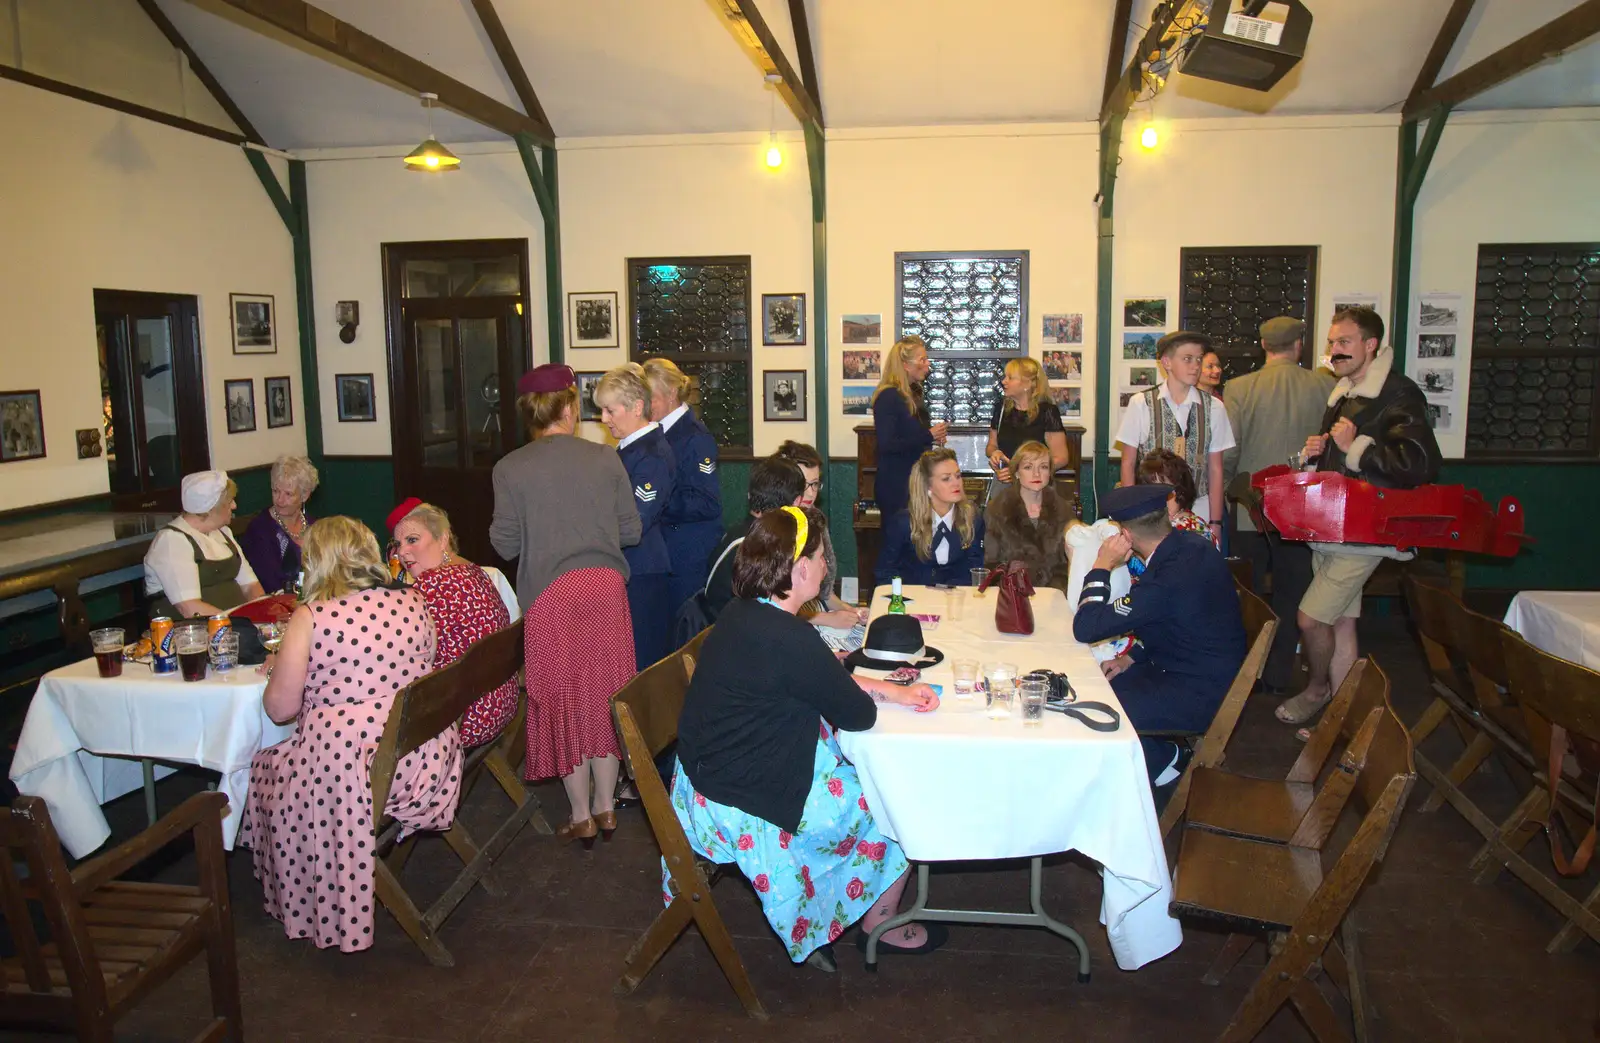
point(1076, 711)
point(1585, 850)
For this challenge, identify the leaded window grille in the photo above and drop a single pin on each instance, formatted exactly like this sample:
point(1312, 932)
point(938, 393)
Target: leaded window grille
point(1535, 352)
point(696, 311)
point(972, 310)
point(1229, 291)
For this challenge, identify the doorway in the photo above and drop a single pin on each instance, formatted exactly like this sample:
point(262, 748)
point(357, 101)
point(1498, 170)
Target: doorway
point(458, 342)
point(152, 395)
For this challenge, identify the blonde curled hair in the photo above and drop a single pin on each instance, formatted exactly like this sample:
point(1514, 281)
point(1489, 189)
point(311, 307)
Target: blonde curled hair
point(624, 385)
point(1027, 451)
point(894, 370)
point(340, 557)
point(663, 375)
point(436, 521)
point(1030, 370)
point(921, 504)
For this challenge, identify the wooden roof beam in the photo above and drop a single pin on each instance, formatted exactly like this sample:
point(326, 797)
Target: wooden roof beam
point(1449, 31)
point(802, 45)
point(1555, 37)
point(1119, 99)
point(339, 40)
point(750, 29)
point(1117, 52)
point(201, 73)
point(509, 61)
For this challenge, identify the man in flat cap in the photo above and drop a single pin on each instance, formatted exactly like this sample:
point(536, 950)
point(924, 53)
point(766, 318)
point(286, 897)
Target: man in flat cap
point(1185, 613)
point(1272, 410)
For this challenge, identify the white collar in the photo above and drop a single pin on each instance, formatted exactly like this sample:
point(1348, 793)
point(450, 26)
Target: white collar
point(1190, 399)
point(673, 417)
point(1371, 384)
point(646, 429)
point(948, 518)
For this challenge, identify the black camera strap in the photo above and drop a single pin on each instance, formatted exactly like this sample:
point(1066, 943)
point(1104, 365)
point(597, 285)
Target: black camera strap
point(1077, 712)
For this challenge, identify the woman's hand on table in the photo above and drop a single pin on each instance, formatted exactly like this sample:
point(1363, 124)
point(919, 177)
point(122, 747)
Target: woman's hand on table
point(841, 618)
point(920, 697)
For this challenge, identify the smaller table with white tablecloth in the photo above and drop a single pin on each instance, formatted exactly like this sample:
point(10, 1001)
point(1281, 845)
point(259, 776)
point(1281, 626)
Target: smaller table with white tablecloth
point(956, 785)
point(1565, 623)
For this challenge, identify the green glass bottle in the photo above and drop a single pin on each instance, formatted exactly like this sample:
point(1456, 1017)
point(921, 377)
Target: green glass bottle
point(897, 603)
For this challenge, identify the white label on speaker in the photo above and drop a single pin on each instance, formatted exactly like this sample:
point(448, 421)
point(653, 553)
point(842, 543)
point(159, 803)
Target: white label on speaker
point(1265, 28)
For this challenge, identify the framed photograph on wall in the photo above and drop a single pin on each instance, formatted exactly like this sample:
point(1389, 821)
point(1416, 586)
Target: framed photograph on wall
point(592, 320)
point(255, 330)
point(357, 401)
point(784, 391)
point(863, 328)
point(280, 407)
point(783, 319)
point(587, 409)
point(21, 426)
point(240, 396)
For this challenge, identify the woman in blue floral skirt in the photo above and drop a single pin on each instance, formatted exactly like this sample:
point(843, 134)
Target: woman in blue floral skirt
point(760, 779)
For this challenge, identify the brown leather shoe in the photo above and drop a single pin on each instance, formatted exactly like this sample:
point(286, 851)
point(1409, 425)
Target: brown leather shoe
point(584, 831)
point(607, 821)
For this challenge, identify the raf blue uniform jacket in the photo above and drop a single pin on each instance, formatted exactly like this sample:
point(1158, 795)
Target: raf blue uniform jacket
point(899, 555)
point(1184, 610)
point(903, 436)
point(652, 470)
point(692, 523)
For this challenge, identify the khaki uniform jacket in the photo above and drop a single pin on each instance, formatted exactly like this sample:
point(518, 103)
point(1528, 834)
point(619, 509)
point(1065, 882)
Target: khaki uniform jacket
point(1273, 411)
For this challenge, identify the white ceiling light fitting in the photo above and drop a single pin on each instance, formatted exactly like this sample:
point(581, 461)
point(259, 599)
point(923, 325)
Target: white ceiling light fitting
point(430, 157)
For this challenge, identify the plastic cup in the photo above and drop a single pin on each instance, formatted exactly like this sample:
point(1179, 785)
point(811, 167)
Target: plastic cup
point(978, 576)
point(966, 671)
point(1000, 685)
point(1032, 693)
point(953, 609)
point(107, 644)
point(225, 652)
point(193, 646)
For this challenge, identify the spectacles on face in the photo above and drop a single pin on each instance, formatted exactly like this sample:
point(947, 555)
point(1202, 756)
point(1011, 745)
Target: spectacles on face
point(814, 487)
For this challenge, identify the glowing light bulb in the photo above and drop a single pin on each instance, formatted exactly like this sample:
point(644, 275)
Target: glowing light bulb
point(1149, 138)
point(774, 156)
point(431, 161)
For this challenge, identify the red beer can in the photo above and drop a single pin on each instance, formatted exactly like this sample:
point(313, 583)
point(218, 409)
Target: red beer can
point(216, 626)
point(163, 656)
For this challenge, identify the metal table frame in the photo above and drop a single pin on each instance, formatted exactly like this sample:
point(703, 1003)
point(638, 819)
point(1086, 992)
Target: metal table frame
point(1037, 918)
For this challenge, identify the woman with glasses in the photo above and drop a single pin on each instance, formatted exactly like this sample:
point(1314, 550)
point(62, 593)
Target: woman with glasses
point(826, 610)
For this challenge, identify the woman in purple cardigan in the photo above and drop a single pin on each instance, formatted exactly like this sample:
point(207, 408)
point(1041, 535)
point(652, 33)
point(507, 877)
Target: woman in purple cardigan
point(272, 541)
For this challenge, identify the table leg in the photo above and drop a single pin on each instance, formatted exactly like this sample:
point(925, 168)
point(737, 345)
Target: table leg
point(1036, 918)
point(149, 767)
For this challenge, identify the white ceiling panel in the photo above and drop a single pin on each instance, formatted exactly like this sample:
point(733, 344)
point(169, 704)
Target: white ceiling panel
point(1572, 79)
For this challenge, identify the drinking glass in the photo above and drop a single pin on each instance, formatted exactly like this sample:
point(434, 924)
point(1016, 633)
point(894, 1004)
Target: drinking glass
point(225, 652)
point(1033, 692)
point(966, 671)
point(999, 685)
point(193, 646)
point(978, 576)
point(107, 650)
point(953, 604)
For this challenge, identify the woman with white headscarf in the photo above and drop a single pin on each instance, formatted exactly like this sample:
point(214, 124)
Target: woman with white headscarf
point(194, 567)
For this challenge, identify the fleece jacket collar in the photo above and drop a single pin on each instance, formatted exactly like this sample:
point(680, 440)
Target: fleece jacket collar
point(1371, 384)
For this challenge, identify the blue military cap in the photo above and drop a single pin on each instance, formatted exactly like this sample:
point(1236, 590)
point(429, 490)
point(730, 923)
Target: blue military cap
point(1134, 501)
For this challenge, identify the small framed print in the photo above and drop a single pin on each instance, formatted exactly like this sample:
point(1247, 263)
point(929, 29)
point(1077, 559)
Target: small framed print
point(592, 319)
point(784, 391)
point(21, 426)
point(255, 330)
point(357, 403)
point(783, 319)
point(588, 409)
point(280, 407)
point(240, 396)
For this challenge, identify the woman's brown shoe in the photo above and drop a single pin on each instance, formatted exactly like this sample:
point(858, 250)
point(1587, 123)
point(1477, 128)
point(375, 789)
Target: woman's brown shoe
point(607, 821)
point(584, 831)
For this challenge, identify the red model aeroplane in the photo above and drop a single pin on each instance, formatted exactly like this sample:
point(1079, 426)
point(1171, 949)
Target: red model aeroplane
point(1328, 507)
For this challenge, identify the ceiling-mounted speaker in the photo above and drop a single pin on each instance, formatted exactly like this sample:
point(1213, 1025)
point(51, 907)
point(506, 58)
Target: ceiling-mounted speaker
point(1249, 43)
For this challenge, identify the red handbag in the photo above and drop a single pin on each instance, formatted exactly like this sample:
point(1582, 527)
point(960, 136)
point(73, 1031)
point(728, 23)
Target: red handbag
point(1013, 612)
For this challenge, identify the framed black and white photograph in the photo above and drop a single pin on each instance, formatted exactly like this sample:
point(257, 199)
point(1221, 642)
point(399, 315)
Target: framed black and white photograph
point(1148, 312)
point(1439, 311)
point(240, 396)
point(357, 401)
point(1439, 416)
point(592, 319)
point(785, 393)
point(255, 330)
point(587, 382)
point(1437, 381)
point(1436, 345)
point(862, 328)
point(783, 319)
point(280, 408)
point(21, 426)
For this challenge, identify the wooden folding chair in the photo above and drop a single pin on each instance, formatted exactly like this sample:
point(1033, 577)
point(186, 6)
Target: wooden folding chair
point(1279, 891)
point(1294, 809)
point(111, 941)
point(647, 711)
point(1260, 624)
point(422, 710)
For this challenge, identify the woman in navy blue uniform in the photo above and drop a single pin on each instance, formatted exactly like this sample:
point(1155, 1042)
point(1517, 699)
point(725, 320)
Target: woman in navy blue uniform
point(903, 426)
point(692, 523)
point(938, 536)
point(624, 402)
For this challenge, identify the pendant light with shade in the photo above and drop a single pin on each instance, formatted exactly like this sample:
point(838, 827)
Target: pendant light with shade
point(430, 157)
point(774, 153)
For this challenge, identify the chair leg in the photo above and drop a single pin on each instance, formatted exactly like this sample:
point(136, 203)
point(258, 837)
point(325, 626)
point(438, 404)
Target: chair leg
point(715, 932)
point(148, 768)
point(405, 911)
point(467, 849)
point(1477, 751)
point(1570, 935)
point(507, 777)
point(1431, 718)
point(1232, 951)
point(1179, 802)
point(653, 944)
point(222, 966)
point(402, 853)
point(1515, 833)
point(1318, 1015)
point(1349, 947)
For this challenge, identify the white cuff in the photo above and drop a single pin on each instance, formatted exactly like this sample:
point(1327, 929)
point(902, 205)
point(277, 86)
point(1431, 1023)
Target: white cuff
point(1358, 449)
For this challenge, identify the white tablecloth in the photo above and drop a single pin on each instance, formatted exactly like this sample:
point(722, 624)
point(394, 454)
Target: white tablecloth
point(80, 724)
point(1565, 623)
point(954, 784)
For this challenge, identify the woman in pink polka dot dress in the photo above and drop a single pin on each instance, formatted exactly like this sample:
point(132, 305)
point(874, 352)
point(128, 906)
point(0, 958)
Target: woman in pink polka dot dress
point(348, 649)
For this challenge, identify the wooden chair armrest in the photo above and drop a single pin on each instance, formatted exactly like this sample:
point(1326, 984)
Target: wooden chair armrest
point(185, 818)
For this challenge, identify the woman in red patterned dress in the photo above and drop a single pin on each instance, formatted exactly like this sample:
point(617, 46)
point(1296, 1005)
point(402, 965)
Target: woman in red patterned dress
point(462, 602)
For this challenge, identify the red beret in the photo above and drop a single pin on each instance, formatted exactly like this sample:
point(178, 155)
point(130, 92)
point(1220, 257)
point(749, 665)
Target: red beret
point(549, 377)
point(398, 515)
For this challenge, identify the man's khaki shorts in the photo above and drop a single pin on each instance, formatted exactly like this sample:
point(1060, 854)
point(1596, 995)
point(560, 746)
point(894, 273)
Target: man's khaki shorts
point(1336, 584)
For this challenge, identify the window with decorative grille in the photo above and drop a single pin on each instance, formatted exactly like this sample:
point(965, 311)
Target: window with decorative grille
point(972, 310)
point(1535, 352)
point(696, 312)
point(1229, 291)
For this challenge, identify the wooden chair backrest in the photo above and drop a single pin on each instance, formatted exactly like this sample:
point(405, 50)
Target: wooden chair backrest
point(1260, 624)
point(1390, 756)
point(1243, 573)
point(654, 698)
point(1479, 639)
point(1431, 610)
point(26, 832)
point(1363, 689)
point(427, 706)
point(1552, 690)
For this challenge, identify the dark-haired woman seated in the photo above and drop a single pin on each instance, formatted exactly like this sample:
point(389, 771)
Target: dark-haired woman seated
point(1164, 467)
point(938, 538)
point(761, 781)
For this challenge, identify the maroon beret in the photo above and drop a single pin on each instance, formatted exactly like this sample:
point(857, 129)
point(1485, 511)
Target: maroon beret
point(549, 377)
point(398, 515)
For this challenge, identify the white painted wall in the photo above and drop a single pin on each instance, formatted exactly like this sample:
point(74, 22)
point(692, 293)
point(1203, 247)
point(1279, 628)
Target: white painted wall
point(1504, 177)
point(110, 201)
point(357, 205)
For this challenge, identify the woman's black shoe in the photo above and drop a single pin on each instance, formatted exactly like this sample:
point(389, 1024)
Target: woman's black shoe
point(937, 933)
point(821, 959)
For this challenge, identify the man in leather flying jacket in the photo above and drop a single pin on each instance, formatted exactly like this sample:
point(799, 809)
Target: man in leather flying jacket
point(1376, 429)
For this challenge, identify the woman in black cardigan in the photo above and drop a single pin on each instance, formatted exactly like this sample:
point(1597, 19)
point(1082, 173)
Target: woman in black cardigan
point(760, 779)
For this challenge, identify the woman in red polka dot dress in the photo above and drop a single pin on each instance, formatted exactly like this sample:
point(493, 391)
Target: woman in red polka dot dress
point(463, 603)
point(349, 648)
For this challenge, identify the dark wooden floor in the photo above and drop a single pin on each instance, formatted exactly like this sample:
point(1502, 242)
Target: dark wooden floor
point(1448, 960)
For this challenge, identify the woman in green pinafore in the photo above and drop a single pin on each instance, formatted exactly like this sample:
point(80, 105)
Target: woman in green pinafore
point(194, 567)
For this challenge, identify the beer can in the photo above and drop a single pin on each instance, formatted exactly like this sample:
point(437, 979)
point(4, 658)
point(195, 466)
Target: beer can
point(216, 627)
point(163, 656)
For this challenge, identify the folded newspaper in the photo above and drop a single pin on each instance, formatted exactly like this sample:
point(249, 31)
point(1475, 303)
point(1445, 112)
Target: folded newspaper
point(844, 640)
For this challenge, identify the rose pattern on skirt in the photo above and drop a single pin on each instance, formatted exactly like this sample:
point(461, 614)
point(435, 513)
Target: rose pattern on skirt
point(855, 888)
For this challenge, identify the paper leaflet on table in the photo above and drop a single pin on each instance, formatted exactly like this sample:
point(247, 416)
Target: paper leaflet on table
point(843, 640)
point(1083, 546)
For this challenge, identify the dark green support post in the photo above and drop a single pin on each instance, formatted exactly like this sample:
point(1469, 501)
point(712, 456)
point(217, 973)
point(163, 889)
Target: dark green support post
point(816, 164)
point(1105, 315)
point(546, 189)
point(1411, 169)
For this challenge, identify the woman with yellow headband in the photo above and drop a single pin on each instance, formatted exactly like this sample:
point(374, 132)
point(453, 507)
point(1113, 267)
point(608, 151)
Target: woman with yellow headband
point(760, 779)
